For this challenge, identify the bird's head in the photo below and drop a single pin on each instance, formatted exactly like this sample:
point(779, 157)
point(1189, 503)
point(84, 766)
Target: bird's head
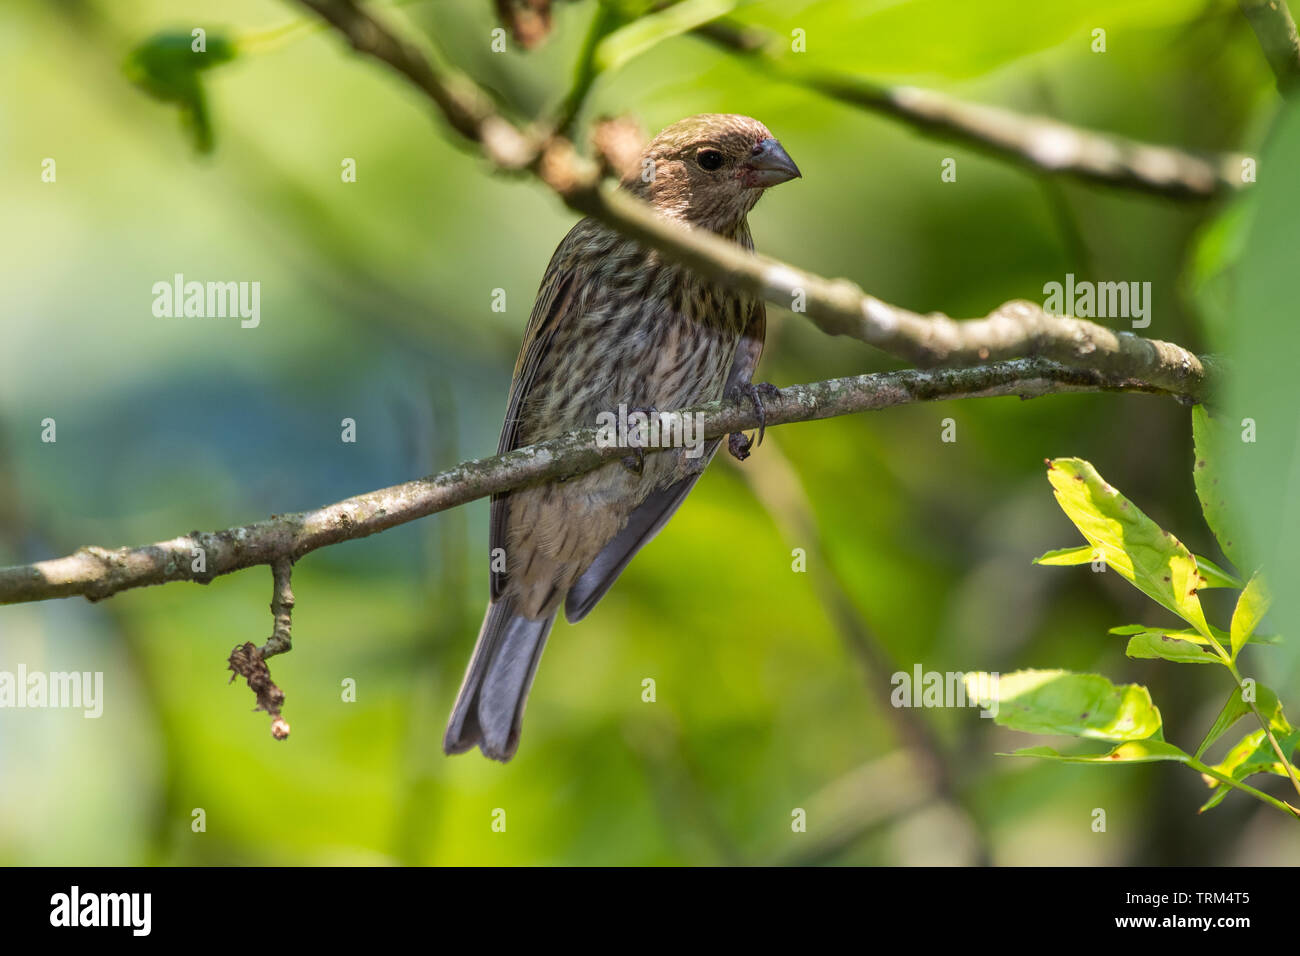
point(709, 170)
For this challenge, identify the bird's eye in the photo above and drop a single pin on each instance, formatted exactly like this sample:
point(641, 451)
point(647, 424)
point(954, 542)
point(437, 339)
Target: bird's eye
point(709, 159)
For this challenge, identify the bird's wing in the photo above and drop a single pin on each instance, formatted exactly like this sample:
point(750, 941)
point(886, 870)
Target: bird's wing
point(554, 302)
point(649, 517)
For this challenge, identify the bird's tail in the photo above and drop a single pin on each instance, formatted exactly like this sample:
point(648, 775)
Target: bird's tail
point(490, 707)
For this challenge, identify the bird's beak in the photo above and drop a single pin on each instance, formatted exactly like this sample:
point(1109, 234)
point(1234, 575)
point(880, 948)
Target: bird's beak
point(769, 165)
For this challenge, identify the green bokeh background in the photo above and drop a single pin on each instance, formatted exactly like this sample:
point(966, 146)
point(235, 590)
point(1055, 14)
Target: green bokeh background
point(376, 305)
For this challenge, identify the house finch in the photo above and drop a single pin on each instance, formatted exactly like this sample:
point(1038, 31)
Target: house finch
point(614, 323)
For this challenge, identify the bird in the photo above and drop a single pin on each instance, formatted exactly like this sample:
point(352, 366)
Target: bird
point(614, 323)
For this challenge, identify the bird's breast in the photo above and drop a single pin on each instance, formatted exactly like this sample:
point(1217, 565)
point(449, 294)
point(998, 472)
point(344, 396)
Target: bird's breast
point(641, 332)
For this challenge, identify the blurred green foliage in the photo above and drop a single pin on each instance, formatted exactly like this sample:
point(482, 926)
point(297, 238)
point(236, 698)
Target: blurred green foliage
point(168, 67)
point(376, 305)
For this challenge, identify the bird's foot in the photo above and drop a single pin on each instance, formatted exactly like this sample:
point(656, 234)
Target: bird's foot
point(738, 443)
point(635, 462)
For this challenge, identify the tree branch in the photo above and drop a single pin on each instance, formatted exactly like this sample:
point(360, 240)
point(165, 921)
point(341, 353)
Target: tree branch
point(837, 306)
point(1276, 32)
point(1054, 353)
point(97, 573)
point(1036, 142)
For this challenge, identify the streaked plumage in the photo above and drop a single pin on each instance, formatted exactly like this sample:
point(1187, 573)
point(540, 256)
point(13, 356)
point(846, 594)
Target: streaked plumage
point(613, 324)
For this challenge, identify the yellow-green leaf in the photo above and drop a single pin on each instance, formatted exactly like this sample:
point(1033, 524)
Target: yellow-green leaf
point(1251, 755)
point(1251, 607)
point(1215, 576)
point(649, 31)
point(1187, 634)
point(1151, 645)
point(1132, 751)
point(1133, 545)
point(1061, 702)
point(1067, 557)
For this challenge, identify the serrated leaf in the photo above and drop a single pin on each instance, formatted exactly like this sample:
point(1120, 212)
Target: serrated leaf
point(1062, 702)
point(1207, 474)
point(1252, 605)
point(1162, 645)
point(1131, 751)
point(1133, 545)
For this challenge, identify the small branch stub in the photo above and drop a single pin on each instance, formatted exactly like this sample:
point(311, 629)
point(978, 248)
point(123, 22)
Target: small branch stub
point(249, 661)
point(280, 640)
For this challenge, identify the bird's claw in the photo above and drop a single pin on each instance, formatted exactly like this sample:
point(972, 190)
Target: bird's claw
point(635, 462)
point(738, 443)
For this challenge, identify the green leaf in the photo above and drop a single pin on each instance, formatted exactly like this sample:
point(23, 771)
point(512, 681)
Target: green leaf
point(1061, 702)
point(1215, 576)
point(167, 68)
point(1252, 605)
point(900, 39)
point(648, 32)
point(1251, 755)
point(1066, 557)
point(1260, 417)
point(1132, 751)
point(1187, 634)
point(1132, 544)
point(1236, 707)
point(1207, 473)
point(1151, 645)
point(1221, 790)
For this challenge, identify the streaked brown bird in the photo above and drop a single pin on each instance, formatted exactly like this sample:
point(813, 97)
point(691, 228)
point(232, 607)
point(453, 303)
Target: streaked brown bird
point(614, 323)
